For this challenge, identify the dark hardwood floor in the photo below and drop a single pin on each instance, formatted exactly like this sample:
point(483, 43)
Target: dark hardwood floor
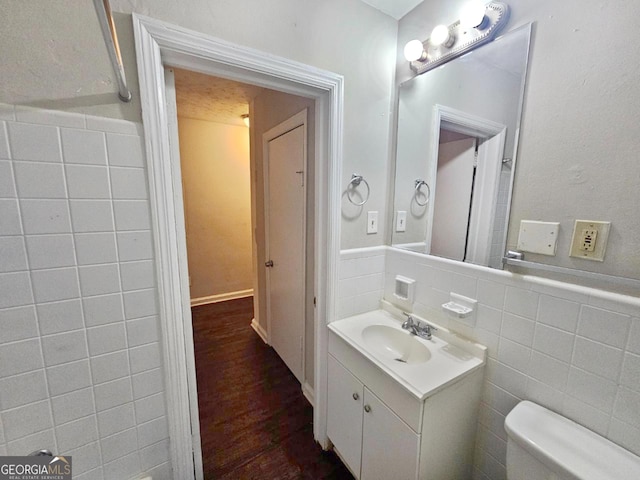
point(255, 422)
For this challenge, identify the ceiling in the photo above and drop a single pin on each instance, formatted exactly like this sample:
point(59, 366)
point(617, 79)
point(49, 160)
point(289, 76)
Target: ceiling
point(394, 8)
point(212, 99)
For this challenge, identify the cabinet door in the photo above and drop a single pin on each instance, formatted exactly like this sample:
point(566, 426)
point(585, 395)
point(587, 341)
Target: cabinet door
point(344, 414)
point(389, 446)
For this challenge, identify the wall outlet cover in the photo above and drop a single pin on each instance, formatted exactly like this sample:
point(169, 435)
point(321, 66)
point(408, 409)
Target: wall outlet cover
point(538, 237)
point(589, 240)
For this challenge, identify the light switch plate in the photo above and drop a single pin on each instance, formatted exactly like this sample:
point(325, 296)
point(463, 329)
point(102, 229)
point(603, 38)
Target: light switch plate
point(538, 237)
point(401, 220)
point(372, 222)
point(589, 240)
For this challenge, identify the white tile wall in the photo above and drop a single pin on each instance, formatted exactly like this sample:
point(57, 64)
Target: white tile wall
point(574, 350)
point(77, 377)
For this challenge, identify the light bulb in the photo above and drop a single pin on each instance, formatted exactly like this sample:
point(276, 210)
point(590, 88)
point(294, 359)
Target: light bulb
point(245, 119)
point(413, 50)
point(440, 36)
point(472, 14)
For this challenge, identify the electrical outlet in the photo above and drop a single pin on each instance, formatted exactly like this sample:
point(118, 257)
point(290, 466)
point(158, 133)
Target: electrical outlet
point(372, 222)
point(401, 221)
point(590, 239)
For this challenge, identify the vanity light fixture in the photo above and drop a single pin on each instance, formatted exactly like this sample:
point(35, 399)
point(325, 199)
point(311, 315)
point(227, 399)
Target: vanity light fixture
point(245, 119)
point(478, 24)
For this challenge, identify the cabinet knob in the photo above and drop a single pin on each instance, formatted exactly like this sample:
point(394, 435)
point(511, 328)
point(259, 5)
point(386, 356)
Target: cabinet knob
point(355, 396)
point(367, 408)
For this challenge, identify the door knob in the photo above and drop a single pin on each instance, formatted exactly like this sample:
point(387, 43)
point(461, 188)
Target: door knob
point(356, 396)
point(367, 408)
point(268, 263)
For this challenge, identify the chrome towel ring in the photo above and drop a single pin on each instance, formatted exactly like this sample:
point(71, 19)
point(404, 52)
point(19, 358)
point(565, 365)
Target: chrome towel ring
point(418, 193)
point(356, 180)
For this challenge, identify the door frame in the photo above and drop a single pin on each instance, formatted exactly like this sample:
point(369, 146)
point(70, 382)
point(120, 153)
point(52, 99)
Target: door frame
point(159, 44)
point(490, 154)
point(297, 120)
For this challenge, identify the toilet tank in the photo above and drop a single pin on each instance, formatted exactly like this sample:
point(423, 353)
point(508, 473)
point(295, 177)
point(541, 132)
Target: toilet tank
point(544, 445)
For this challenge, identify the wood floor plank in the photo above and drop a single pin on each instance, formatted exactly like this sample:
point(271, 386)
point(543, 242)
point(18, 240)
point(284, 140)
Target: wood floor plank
point(255, 422)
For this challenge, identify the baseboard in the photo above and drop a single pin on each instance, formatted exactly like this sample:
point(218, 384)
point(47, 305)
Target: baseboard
point(259, 330)
point(307, 391)
point(223, 297)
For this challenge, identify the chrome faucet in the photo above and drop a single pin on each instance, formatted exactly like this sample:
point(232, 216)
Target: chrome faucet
point(422, 330)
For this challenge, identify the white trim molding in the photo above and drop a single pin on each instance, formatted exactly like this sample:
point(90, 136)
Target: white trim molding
point(160, 45)
point(221, 297)
point(262, 333)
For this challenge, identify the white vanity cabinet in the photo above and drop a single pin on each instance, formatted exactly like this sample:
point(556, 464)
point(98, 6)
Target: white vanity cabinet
point(382, 431)
point(361, 426)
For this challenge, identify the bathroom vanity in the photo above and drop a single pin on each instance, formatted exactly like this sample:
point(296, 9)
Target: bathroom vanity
point(400, 406)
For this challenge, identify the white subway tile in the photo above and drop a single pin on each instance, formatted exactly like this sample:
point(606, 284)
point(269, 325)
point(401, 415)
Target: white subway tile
point(18, 324)
point(142, 330)
point(128, 183)
point(604, 326)
point(30, 443)
point(586, 415)
point(55, 284)
point(58, 317)
point(68, 377)
point(489, 340)
point(135, 246)
point(140, 303)
point(499, 399)
point(93, 248)
point(16, 289)
point(163, 471)
point(615, 302)
point(597, 358)
point(150, 407)
point(26, 420)
point(4, 139)
point(50, 251)
point(627, 407)
point(77, 433)
point(91, 216)
point(548, 370)
point(137, 275)
point(592, 389)
point(491, 293)
point(106, 338)
point(13, 255)
point(7, 112)
point(633, 345)
point(39, 180)
point(124, 467)
point(518, 329)
point(155, 455)
point(132, 215)
point(83, 146)
point(489, 318)
point(95, 474)
point(72, 406)
point(20, 357)
point(99, 279)
point(64, 347)
point(152, 432)
point(625, 435)
point(119, 445)
point(559, 313)
point(125, 150)
point(34, 142)
point(88, 181)
point(147, 383)
point(10, 217)
point(521, 302)
point(104, 124)
point(116, 420)
point(508, 379)
point(48, 117)
point(145, 357)
point(514, 355)
point(111, 366)
point(543, 394)
point(103, 309)
point(22, 389)
point(85, 459)
point(112, 394)
point(45, 216)
point(554, 342)
point(630, 376)
point(7, 185)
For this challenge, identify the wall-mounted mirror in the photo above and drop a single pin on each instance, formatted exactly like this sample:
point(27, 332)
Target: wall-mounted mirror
point(456, 153)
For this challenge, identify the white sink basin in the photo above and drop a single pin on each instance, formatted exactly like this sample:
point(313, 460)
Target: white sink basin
point(395, 344)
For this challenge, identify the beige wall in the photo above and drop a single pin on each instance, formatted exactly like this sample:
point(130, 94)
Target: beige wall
point(268, 110)
point(579, 136)
point(217, 193)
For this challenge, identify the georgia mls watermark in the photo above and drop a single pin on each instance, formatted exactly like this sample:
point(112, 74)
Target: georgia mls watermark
point(35, 468)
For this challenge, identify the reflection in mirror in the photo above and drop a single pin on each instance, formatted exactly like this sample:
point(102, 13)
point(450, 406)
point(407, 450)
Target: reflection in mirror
point(457, 131)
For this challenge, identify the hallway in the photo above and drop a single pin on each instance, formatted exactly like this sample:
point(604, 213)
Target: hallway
point(255, 423)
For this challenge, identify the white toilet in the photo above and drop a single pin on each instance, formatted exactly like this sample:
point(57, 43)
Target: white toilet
point(543, 445)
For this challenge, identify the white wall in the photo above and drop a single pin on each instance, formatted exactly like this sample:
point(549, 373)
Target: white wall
point(579, 136)
point(80, 363)
point(571, 349)
point(55, 57)
point(214, 160)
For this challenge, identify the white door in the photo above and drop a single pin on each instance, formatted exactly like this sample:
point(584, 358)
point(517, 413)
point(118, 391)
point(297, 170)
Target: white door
point(452, 201)
point(285, 208)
